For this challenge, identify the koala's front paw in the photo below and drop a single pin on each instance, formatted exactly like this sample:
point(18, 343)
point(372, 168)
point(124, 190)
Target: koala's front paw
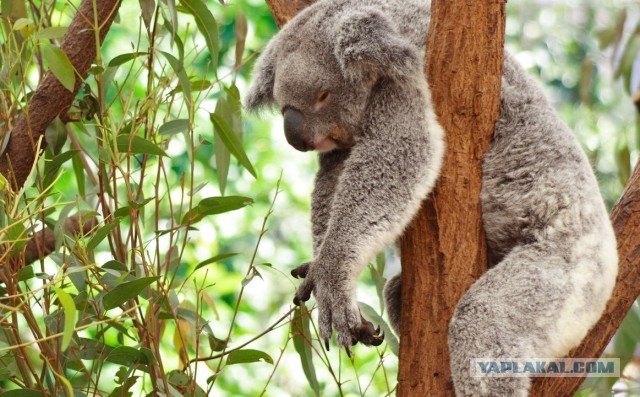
point(337, 307)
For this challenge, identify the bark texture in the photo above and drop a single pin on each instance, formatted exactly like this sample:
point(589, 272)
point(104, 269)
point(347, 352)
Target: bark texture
point(51, 98)
point(444, 249)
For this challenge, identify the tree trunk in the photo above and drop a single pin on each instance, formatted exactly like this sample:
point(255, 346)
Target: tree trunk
point(444, 249)
point(436, 237)
point(51, 98)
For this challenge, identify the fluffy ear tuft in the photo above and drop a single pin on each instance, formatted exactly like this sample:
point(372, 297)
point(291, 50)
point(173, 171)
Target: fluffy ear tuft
point(264, 74)
point(367, 43)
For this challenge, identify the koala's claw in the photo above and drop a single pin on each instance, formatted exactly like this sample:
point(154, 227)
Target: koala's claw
point(301, 271)
point(303, 293)
point(368, 335)
point(326, 343)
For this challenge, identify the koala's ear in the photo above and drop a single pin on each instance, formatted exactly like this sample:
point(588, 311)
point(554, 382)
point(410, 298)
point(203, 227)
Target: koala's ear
point(264, 74)
point(367, 43)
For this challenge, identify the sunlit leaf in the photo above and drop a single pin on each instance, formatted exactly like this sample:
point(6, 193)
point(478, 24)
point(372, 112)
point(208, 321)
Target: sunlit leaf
point(58, 63)
point(55, 32)
point(70, 314)
point(232, 142)
point(136, 144)
point(174, 127)
point(124, 58)
point(241, 35)
point(125, 291)
point(178, 68)
point(213, 206)
point(214, 259)
point(147, 7)
point(206, 24)
point(245, 356)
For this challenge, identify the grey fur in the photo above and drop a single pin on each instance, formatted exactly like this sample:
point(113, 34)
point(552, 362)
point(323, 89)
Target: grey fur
point(552, 247)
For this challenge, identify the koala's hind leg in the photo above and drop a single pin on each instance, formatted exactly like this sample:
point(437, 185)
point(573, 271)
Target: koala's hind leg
point(520, 309)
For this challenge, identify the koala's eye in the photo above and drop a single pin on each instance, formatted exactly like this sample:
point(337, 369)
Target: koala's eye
point(321, 99)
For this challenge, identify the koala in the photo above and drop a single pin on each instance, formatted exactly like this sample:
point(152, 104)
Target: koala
point(348, 77)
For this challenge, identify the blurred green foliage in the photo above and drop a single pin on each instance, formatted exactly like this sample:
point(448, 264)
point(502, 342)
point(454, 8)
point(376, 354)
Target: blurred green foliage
point(183, 287)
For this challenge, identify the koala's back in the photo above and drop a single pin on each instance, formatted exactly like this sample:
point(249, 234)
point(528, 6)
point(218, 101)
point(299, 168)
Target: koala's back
point(537, 182)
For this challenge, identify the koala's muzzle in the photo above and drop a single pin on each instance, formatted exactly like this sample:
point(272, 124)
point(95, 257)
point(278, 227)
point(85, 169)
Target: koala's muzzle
point(294, 130)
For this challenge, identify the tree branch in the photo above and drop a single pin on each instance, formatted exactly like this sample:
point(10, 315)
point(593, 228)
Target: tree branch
point(43, 242)
point(51, 98)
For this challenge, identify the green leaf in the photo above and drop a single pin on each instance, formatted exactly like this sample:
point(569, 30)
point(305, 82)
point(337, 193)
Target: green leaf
point(207, 25)
point(223, 155)
point(245, 356)
point(51, 167)
point(214, 259)
point(78, 171)
point(174, 127)
point(58, 63)
point(213, 206)
point(55, 32)
point(241, 35)
point(70, 314)
point(124, 58)
point(101, 233)
point(16, 235)
point(178, 68)
point(302, 343)
point(8, 367)
point(147, 8)
point(125, 291)
point(370, 314)
point(128, 356)
point(26, 273)
point(231, 141)
point(136, 144)
point(56, 135)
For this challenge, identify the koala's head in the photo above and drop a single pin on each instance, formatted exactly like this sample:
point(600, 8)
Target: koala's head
point(320, 71)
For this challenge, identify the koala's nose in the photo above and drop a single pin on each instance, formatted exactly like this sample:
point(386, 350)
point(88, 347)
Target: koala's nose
point(294, 130)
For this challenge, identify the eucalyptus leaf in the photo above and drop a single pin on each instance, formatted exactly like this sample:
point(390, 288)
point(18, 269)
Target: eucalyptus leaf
point(59, 64)
point(125, 291)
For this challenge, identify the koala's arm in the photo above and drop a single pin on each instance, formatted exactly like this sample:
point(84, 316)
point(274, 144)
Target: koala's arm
point(331, 165)
point(390, 169)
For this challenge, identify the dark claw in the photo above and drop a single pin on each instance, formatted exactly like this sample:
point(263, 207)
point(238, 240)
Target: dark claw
point(300, 271)
point(326, 343)
point(377, 340)
point(348, 352)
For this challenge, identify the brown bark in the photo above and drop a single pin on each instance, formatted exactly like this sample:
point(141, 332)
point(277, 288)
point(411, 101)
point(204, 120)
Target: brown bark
point(51, 98)
point(444, 249)
point(626, 223)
